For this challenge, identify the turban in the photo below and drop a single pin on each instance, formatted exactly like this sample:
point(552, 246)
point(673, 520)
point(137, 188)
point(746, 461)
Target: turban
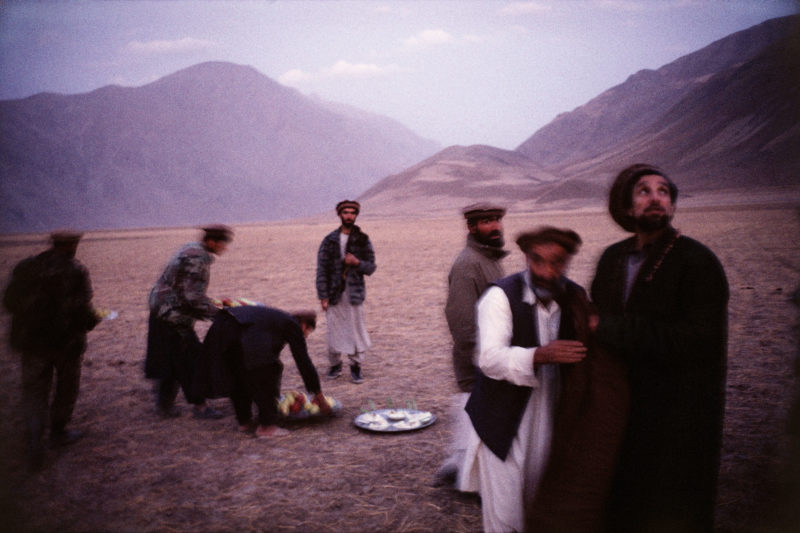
point(344, 204)
point(620, 197)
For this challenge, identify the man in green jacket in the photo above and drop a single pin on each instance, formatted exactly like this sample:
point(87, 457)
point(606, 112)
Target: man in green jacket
point(50, 300)
point(475, 267)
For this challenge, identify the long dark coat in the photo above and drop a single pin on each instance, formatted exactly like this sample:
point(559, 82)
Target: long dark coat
point(672, 333)
point(249, 337)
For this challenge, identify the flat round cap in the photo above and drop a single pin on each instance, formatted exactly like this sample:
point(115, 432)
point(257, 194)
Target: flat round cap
point(482, 210)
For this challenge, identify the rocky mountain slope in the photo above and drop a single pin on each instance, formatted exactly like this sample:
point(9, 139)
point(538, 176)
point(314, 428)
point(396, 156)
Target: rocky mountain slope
point(724, 118)
point(216, 141)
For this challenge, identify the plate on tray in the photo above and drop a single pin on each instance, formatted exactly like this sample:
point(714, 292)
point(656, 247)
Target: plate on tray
point(394, 420)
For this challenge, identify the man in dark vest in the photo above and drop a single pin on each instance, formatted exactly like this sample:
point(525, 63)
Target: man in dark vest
point(526, 331)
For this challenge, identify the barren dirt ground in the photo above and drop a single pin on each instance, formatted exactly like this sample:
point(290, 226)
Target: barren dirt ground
point(134, 472)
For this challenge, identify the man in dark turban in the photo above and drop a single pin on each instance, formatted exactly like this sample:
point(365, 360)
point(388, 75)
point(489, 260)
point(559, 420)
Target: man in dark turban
point(344, 257)
point(662, 299)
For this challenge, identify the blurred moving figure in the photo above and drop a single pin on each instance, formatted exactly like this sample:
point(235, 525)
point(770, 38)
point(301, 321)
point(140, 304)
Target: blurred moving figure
point(241, 360)
point(662, 299)
point(176, 301)
point(525, 332)
point(50, 300)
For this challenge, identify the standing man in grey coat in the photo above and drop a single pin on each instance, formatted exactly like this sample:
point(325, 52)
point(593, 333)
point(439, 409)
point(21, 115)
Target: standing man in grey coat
point(345, 256)
point(475, 267)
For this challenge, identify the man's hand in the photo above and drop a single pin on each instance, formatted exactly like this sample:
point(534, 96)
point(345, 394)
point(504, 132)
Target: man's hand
point(324, 407)
point(351, 260)
point(560, 351)
point(324, 304)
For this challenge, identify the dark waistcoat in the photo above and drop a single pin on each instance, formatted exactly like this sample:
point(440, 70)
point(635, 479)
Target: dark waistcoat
point(495, 407)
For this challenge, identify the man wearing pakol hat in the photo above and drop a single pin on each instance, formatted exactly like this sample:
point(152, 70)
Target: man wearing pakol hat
point(663, 299)
point(345, 256)
point(176, 301)
point(475, 267)
point(526, 330)
point(49, 297)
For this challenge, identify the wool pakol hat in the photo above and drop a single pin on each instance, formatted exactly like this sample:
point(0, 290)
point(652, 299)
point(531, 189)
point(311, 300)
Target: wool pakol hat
point(218, 232)
point(483, 210)
point(65, 236)
point(344, 204)
point(566, 238)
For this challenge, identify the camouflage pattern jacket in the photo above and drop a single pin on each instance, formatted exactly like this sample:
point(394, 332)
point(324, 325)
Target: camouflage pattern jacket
point(179, 295)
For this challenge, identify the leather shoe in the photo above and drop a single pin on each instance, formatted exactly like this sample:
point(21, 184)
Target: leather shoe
point(207, 413)
point(64, 437)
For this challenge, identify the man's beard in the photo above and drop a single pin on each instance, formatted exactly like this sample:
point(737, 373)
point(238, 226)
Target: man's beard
point(547, 289)
point(494, 239)
point(348, 224)
point(649, 223)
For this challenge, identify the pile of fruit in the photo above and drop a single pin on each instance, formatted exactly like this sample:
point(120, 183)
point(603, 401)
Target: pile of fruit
point(295, 404)
point(233, 302)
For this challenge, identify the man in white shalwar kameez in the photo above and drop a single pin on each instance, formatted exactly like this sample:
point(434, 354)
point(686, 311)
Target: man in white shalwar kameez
point(344, 258)
point(523, 336)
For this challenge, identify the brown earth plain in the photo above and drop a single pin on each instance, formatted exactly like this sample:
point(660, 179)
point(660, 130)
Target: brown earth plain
point(134, 472)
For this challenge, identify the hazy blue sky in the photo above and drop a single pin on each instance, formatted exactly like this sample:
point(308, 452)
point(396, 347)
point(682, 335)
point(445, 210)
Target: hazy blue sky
point(458, 72)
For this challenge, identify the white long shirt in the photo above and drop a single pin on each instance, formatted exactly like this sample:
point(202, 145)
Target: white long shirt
point(503, 484)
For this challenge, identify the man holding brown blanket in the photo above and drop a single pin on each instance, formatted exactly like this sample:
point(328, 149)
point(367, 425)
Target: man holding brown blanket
point(532, 328)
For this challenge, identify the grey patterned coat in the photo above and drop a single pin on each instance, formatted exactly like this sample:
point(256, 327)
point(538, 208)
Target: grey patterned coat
point(331, 271)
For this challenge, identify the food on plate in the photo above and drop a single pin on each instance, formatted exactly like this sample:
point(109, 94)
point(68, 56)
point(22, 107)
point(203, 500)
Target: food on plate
point(395, 414)
point(379, 424)
point(422, 417)
point(369, 418)
point(407, 424)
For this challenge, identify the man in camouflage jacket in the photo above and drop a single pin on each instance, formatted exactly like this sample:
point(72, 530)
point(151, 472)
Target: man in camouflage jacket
point(177, 300)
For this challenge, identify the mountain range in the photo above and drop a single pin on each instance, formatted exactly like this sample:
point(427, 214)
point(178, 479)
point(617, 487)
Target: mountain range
point(215, 141)
point(724, 118)
point(219, 141)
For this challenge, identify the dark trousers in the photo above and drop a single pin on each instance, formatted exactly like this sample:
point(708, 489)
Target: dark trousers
point(171, 357)
point(261, 386)
point(37, 380)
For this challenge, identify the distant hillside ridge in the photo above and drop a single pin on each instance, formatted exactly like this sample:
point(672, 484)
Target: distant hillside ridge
point(723, 120)
point(725, 115)
point(215, 141)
